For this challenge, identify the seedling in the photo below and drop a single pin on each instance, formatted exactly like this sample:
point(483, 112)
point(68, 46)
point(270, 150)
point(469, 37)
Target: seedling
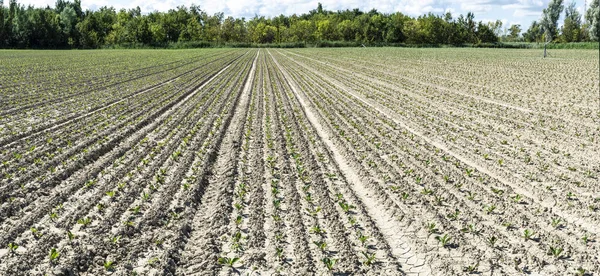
point(279, 253)
point(492, 241)
point(346, 207)
point(426, 191)
point(277, 203)
point(490, 209)
point(517, 198)
point(469, 172)
point(321, 245)
point(54, 254)
point(556, 222)
point(115, 239)
point(370, 258)
point(471, 195)
point(12, 247)
point(444, 240)
point(471, 228)
point(498, 191)
point(471, 269)
point(70, 235)
point(84, 221)
point(315, 212)
point(585, 239)
point(556, 251)
point(528, 234)
point(362, 238)
point(53, 216)
point(405, 196)
point(431, 228)
point(36, 233)
point(228, 262)
point(136, 209)
point(454, 216)
point(317, 230)
point(329, 263)
point(109, 265)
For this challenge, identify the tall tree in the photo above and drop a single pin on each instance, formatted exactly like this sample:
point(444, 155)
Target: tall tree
point(572, 24)
point(514, 31)
point(593, 20)
point(534, 33)
point(550, 17)
point(2, 32)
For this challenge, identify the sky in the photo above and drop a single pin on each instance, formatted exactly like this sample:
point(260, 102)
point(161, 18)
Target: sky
point(508, 11)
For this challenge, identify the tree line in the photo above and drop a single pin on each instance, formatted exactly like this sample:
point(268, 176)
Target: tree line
point(68, 26)
point(573, 30)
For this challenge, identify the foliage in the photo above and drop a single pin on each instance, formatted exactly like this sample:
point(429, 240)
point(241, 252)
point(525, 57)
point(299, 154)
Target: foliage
point(67, 26)
point(550, 17)
point(593, 19)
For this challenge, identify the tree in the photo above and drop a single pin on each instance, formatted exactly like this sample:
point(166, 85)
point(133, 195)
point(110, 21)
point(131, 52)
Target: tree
point(485, 34)
point(514, 31)
point(550, 17)
point(2, 32)
point(66, 25)
point(496, 27)
point(572, 24)
point(394, 28)
point(593, 19)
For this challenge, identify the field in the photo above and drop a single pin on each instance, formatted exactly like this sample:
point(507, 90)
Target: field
point(303, 161)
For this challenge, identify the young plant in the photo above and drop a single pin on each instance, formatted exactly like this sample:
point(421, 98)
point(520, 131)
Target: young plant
point(109, 265)
point(54, 254)
point(279, 253)
point(444, 240)
point(12, 247)
point(71, 236)
point(492, 241)
point(321, 245)
point(362, 238)
point(35, 232)
point(556, 251)
point(329, 263)
point(431, 228)
point(471, 269)
point(490, 209)
point(528, 234)
point(228, 262)
point(556, 222)
point(346, 207)
point(517, 198)
point(317, 230)
point(369, 258)
point(471, 228)
point(84, 221)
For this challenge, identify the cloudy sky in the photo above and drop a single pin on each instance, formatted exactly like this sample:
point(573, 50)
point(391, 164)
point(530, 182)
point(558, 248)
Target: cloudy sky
point(509, 11)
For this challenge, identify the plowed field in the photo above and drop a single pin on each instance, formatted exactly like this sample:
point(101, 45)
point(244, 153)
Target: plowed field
point(297, 162)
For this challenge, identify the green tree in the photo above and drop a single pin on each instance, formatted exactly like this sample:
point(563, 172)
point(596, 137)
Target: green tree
point(593, 20)
point(514, 32)
point(2, 28)
point(485, 34)
point(550, 17)
point(534, 33)
point(571, 30)
point(394, 27)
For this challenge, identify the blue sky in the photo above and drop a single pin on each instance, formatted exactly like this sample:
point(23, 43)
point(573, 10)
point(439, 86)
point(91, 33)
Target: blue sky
point(509, 11)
